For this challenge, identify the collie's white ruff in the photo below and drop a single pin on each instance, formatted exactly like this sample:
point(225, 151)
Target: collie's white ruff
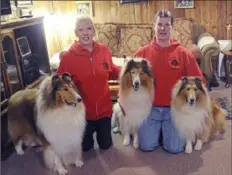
point(190, 121)
point(63, 128)
point(137, 106)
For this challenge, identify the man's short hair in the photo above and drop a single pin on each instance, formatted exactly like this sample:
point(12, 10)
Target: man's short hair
point(164, 14)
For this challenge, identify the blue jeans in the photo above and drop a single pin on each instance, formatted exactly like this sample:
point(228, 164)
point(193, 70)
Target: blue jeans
point(159, 122)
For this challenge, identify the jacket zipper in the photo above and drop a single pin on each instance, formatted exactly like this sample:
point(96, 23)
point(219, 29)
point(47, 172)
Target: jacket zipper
point(94, 73)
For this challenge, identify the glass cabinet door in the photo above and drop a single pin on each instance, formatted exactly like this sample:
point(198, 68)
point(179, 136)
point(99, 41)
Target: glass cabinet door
point(11, 62)
point(5, 90)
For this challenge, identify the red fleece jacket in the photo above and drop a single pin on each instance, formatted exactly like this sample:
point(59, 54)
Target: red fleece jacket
point(169, 65)
point(90, 72)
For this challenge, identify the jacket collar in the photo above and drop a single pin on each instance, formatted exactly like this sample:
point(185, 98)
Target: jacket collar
point(78, 49)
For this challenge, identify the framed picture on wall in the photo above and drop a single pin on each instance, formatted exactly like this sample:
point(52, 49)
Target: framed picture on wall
point(84, 8)
point(183, 4)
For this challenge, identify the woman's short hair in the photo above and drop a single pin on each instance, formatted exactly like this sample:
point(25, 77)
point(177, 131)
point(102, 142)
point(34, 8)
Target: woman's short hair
point(88, 19)
point(162, 14)
point(82, 18)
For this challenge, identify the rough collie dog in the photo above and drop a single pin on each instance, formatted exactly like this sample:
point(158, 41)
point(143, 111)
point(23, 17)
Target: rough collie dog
point(196, 116)
point(21, 120)
point(136, 94)
point(61, 119)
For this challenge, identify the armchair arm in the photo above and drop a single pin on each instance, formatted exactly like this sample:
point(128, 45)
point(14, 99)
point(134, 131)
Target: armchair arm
point(207, 42)
point(210, 50)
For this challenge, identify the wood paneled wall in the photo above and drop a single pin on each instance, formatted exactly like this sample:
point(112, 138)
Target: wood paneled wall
point(214, 15)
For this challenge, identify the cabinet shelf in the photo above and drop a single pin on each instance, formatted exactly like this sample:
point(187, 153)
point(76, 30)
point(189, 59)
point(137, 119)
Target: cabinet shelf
point(17, 71)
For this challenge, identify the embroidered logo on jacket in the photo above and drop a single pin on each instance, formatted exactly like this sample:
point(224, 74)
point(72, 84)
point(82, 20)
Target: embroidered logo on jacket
point(174, 63)
point(105, 65)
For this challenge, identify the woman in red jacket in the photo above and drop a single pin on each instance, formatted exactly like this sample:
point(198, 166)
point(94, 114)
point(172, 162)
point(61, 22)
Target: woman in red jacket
point(91, 66)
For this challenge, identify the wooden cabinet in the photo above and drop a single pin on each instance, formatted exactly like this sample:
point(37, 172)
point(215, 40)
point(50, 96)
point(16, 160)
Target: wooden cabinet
point(19, 71)
point(11, 71)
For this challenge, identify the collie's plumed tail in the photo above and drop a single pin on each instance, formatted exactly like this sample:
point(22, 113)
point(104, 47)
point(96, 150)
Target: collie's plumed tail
point(219, 115)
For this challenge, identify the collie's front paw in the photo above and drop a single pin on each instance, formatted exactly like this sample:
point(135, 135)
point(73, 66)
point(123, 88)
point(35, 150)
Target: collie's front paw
point(19, 150)
point(115, 130)
point(79, 163)
point(198, 145)
point(136, 145)
point(62, 171)
point(126, 142)
point(188, 148)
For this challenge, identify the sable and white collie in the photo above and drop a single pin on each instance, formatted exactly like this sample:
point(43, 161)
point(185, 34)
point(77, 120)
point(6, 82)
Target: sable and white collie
point(61, 119)
point(136, 93)
point(195, 114)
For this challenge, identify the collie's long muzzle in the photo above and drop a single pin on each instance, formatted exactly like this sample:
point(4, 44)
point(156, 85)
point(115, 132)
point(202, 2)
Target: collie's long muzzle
point(191, 101)
point(136, 83)
point(136, 86)
point(74, 104)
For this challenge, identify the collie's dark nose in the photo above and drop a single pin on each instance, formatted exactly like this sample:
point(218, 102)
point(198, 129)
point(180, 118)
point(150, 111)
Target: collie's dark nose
point(191, 101)
point(136, 83)
point(79, 99)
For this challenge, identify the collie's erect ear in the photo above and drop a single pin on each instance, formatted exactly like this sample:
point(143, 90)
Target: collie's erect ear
point(66, 76)
point(198, 83)
point(184, 82)
point(55, 79)
point(198, 80)
point(144, 63)
point(146, 68)
point(130, 64)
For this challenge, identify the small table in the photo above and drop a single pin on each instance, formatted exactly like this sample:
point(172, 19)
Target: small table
point(227, 61)
point(114, 87)
point(114, 90)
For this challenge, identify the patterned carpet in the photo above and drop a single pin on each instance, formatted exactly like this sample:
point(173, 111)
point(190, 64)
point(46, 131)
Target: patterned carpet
point(226, 104)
